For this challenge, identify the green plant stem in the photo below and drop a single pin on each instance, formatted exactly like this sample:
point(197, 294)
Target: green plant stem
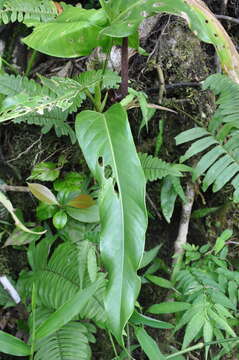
point(31, 62)
point(10, 66)
point(92, 99)
point(113, 345)
point(128, 343)
point(191, 348)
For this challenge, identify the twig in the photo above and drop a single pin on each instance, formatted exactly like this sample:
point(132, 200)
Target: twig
point(6, 187)
point(183, 228)
point(161, 83)
point(10, 289)
point(154, 206)
point(25, 151)
point(229, 18)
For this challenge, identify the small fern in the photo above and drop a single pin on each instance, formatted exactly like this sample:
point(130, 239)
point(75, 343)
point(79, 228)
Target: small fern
point(71, 342)
point(156, 169)
point(219, 143)
point(21, 10)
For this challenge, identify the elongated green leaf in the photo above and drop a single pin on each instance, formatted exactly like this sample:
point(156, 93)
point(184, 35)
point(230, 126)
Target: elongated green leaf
point(197, 147)
point(149, 345)
point(221, 323)
point(74, 33)
point(140, 319)
point(106, 141)
point(207, 160)
point(168, 197)
point(160, 281)
point(67, 311)
point(169, 307)
point(193, 328)
point(13, 346)
point(207, 335)
point(149, 256)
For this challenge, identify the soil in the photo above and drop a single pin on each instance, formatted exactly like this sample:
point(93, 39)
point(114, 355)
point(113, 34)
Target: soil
point(182, 58)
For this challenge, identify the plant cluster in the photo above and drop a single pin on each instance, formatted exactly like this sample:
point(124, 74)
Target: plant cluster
point(84, 269)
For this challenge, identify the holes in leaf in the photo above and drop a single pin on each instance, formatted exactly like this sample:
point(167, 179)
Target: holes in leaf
point(108, 171)
point(215, 35)
point(116, 189)
point(100, 161)
point(206, 21)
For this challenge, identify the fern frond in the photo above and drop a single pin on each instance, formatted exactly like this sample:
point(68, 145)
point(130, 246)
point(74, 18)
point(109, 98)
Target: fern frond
point(89, 79)
point(21, 10)
point(220, 142)
point(60, 278)
point(71, 342)
point(155, 168)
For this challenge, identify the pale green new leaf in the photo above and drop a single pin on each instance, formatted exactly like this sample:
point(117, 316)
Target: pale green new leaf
point(105, 140)
point(169, 307)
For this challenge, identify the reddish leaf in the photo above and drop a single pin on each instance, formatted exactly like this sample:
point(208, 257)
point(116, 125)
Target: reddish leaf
point(81, 202)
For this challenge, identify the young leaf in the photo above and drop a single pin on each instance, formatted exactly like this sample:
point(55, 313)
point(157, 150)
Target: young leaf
point(149, 256)
point(105, 139)
point(45, 171)
point(11, 345)
point(148, 344)
point(88, 215)
point(42, 193)
point(169, 307)
point(59, 219)
point(83, 201)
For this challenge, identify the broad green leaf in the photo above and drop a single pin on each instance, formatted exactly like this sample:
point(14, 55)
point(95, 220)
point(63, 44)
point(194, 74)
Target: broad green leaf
point(157, 280)
point(42, 193)
point(106, 141)
point(220, 242)
point(148, 345)
point(11, 345)
point(59, 219)
point(45, 171)
point(168, 197)
point(82, 201)
point(193, 328)
point(76, 32)
point(140, 319)
point(169, 307)
point(67, 311)
point(8, 205)
point(88, 215)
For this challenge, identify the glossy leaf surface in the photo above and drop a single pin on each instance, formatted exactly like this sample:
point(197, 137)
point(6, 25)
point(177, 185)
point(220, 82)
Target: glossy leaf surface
point(43, 194)
point(106, 141)
point(74, 33)
point(12, 345)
